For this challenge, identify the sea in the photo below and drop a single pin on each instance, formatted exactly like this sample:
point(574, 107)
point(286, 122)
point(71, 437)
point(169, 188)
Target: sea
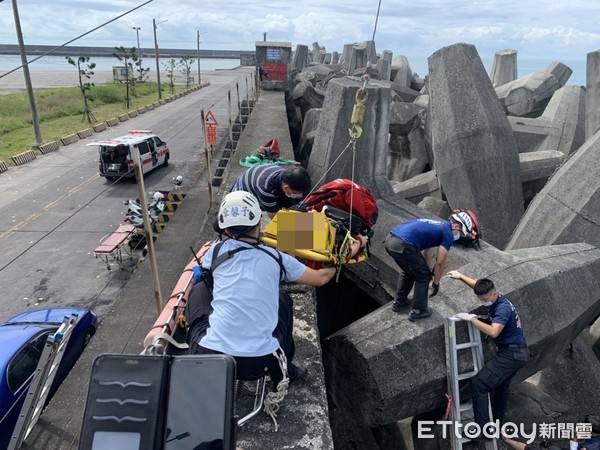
point(418, 65)
point(52, 63)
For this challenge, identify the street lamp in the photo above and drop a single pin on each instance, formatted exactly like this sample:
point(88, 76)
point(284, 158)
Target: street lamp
point(34, 116)
point(198, 57)
point(157, 57)
point(137, 33)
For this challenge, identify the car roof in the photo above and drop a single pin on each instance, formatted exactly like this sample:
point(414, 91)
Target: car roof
point(53, 315)
point(134, 137)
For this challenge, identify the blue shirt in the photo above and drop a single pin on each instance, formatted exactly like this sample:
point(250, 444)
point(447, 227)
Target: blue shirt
point(264, 182)
point(425, 233)
point(503, 312)
point(591, 444)
point(246, 300)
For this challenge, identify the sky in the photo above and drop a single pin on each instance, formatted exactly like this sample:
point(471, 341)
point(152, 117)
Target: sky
point(542, 31)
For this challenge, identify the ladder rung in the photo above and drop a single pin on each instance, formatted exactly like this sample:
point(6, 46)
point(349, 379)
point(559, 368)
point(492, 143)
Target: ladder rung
point(467, 345)
point(466, 375)
point(466, 406)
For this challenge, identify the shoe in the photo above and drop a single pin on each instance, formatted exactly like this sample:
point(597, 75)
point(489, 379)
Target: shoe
point(400, 304)
point(296, 373)
point(417, 314)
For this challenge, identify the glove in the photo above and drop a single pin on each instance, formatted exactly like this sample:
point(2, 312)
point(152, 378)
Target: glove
point(434, 289)
point(466, 316)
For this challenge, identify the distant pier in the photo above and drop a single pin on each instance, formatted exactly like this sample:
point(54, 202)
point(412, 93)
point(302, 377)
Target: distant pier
point(13, 49)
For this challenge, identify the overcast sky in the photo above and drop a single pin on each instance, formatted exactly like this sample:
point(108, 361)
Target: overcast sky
point(542, 31)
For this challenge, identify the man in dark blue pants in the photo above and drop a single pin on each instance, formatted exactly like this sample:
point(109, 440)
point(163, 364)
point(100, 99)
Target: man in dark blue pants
point(412, 245)
point(512, 352)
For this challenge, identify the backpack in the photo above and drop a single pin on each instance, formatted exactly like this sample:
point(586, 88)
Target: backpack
point(472, 240)
point(339, 194)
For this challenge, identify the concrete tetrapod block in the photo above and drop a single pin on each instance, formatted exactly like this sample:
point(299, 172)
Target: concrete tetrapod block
point(560, 71)
point(528, 95)
point(567, 209)
point(536, 169)
point(475, 153)
point(404, 72)
point(384, 368)
point(534, 134)
point(418, 187)
point(504, 67)
point(566, 111)
point(592, 118)
point(332, 138)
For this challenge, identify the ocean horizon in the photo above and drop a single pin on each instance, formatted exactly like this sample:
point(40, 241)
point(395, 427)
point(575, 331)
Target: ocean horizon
point(418, 65)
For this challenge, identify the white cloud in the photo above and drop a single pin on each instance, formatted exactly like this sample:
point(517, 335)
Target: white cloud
point(536, 28)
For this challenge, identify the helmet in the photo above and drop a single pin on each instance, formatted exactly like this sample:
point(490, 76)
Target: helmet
point(464, 220)
point(158, 196)
point(178, 180)
point(239, 209)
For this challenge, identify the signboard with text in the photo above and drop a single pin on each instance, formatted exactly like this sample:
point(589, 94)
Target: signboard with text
point(210, 123)
point(275, 71)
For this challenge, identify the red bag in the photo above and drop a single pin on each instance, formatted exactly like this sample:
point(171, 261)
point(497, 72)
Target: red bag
point(339, 194)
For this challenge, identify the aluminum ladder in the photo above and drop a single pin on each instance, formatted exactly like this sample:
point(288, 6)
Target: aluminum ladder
point(44, 374)
point(462, 412)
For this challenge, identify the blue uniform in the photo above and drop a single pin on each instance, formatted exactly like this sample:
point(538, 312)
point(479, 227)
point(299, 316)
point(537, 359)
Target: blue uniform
point(497, 373)
point(425, 233)
point(405, 244)
point(503, 312)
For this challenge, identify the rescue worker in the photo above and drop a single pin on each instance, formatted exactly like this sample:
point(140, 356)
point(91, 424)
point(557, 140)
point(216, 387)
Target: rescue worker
point(248, 318)
point(412, 244)
point(274, 187)
point(512, 352)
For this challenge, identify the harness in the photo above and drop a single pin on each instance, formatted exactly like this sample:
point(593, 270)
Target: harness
point(217, 259)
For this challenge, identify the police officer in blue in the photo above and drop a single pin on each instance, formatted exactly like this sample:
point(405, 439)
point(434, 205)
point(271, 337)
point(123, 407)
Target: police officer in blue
point(512, 353)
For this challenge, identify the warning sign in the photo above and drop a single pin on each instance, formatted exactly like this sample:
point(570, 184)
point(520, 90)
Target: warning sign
point(211, 127)
point(211, 134)
point(209, 119)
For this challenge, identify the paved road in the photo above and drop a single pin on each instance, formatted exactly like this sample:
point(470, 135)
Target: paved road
point(55, 210)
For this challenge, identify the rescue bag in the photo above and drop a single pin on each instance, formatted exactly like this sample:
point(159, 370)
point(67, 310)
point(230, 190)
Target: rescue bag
point(470, 240)
point(340, 194)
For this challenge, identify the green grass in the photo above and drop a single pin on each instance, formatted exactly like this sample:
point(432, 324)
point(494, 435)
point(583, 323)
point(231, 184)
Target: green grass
point(60, 112)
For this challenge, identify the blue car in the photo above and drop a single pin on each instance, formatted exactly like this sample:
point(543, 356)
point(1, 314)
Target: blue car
point(23, 338)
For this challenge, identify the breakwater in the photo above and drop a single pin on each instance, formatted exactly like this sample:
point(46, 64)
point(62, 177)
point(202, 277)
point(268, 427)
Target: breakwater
point(32, 50)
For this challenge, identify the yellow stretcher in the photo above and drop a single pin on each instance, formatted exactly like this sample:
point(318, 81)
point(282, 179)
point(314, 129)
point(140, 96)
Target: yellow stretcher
point(311, 236)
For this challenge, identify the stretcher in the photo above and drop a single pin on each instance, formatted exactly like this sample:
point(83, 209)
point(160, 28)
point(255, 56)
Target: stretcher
point(112, 247)
point(171, 319)
point(312, 236)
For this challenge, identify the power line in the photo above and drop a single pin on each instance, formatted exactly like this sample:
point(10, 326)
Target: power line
point(78, 37)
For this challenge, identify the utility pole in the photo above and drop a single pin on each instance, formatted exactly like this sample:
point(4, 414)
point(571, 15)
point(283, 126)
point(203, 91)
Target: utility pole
point(198, 57)
point(34, 115)
point(157, 59)
point(137, 33)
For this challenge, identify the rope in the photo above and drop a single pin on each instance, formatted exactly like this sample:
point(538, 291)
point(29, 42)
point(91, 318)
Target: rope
point(274, 399)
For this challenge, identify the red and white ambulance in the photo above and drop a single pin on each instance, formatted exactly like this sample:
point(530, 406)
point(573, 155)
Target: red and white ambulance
point(115, 158)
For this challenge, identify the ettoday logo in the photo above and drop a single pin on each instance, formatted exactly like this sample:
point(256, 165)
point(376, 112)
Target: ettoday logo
point(494, 430)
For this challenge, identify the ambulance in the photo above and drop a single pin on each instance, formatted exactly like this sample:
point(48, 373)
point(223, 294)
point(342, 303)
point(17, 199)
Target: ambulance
point(115, 160)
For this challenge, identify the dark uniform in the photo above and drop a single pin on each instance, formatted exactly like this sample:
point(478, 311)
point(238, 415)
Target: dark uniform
point(495, 376)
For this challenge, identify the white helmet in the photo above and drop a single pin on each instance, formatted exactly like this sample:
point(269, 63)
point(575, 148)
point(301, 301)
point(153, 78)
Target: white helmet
point(158, 196)
point(239, 209)
point(178, 180)
point(465, 221)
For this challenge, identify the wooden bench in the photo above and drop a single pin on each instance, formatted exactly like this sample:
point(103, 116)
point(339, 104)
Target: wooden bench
point(113, 246)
